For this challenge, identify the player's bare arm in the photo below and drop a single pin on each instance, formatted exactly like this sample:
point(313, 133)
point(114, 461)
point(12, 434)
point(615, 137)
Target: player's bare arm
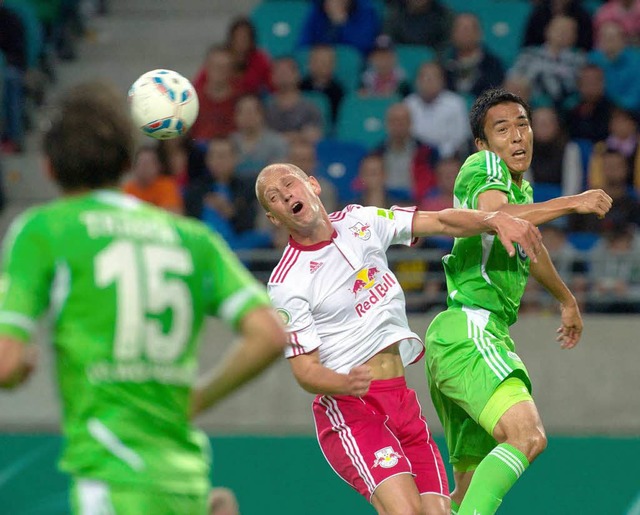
point(546, 274)
point(466, 222)
point(17, 361)
point(262, 340)
point(595, 202)
point(318, 379)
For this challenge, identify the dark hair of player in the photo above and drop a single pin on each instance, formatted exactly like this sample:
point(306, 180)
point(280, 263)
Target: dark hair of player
point(488, 99)
point(90, 141)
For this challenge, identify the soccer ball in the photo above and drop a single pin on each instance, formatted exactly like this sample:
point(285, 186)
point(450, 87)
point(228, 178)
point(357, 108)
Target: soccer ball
point(163, 104)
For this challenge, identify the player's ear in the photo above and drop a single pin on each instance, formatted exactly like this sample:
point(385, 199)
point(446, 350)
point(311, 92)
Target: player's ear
point(315, 185)
point(481, 144)
point(273, 220)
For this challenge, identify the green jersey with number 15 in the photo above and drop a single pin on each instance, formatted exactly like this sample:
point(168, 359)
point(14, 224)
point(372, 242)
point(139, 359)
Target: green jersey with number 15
point(127, 287)
point(480, 273)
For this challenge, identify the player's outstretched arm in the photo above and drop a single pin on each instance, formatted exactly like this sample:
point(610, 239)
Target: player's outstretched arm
point(467, 222)
point(316, 378)
point(17, 361)
point(546, 274)
point(262, 341)
point(595, 202)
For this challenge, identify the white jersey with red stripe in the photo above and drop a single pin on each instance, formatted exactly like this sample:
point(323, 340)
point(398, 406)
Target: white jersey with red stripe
point(340, 297)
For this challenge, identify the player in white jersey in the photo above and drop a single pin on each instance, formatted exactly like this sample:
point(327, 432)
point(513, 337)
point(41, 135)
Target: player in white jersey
point(349, 335)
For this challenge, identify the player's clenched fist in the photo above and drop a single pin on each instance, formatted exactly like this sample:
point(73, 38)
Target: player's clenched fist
point(511, 230)
point(595, 202)
point(359, 380)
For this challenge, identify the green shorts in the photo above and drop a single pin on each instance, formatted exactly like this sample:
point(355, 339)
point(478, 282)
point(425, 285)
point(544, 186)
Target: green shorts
point(469, 353)
point(90, 496)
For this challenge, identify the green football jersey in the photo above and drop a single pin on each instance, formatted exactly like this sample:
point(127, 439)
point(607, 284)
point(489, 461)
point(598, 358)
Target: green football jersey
point(479, 271)
point(126, 287)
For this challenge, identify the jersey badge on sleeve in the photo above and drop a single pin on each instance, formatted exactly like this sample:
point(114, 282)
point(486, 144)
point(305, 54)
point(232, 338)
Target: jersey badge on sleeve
point(285, 316)
point(361, 231)
point(386, 458)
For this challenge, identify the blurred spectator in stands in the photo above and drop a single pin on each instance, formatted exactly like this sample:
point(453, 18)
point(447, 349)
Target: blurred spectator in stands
point(303, 155)
point(13, 45)
point(615, 272)
point(371, 184)
point(321, 77)
point(409, 163)
point(287, 111)
point(217, 97)
point(470, 67)
point(441, 197)
point(250, 66)
point(589, 118)
point(545, 10)
point(418, 22)
point(620, 63)
point(438, 116)
point(624, 12)
point(556, 159)
point(341, 22)
point(552, 68)
point(569, 267)
point(623, 138)
point(625, 209)
point(518, 85)
point(224, 201)
point(150, 181)
point(383, 76)
point(258, 146)
point(184, 159)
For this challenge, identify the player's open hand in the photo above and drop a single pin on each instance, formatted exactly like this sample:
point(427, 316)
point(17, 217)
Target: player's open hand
point(511, 231)
point(359, 380)
point(571, 330)
point(595, 202)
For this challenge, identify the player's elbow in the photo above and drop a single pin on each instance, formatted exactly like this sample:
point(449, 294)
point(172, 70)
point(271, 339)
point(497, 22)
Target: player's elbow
point(15, 363)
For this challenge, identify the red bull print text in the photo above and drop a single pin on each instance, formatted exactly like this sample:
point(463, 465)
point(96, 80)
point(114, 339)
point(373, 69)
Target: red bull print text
point(378, 291)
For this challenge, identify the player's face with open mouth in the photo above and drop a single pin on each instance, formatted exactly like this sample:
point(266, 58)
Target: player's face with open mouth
point(292, 200)
point(508, 133)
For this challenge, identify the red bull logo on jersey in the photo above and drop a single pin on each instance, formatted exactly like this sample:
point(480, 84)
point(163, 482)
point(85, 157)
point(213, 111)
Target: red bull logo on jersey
point(361, 231)
point(376, 287)
point(386, 458)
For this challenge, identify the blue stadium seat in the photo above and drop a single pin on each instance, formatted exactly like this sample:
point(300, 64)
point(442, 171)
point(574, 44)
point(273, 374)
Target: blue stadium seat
point(32, 29)
point(544, 191)
point(584, 241)
point(278, 25)
point(362, 119)
point(338, 162)
point(411, 57)
point(586, 149)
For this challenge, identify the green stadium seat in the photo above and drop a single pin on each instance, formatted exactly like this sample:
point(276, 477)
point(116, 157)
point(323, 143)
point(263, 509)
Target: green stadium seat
point(278, 25)
point(411, 57)
point(362, 119)
point(503, 25)
point(339, 163)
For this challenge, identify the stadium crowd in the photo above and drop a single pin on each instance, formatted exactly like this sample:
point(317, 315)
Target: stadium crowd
point(372, 98)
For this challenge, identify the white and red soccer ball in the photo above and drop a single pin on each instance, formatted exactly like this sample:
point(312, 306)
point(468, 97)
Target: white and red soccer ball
point(163, 104)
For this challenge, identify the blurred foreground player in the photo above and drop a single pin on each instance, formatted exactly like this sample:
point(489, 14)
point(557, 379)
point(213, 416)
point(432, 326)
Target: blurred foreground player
point(127, 286)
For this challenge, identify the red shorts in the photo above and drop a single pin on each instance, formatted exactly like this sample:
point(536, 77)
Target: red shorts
point(380, 435)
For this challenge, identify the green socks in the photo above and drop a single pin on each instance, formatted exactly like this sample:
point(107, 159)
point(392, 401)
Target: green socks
point(493, 478)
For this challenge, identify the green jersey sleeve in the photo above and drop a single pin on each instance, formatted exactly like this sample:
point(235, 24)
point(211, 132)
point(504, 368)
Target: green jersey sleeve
point(481, 172)
point(230, 290)
point(27, 271)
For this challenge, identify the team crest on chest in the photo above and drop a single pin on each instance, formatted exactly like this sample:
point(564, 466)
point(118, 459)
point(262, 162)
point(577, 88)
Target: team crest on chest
point(386, 458)
point(361, 231)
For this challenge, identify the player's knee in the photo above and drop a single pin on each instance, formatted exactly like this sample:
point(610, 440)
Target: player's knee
point(405, 506)
point(533, 443)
